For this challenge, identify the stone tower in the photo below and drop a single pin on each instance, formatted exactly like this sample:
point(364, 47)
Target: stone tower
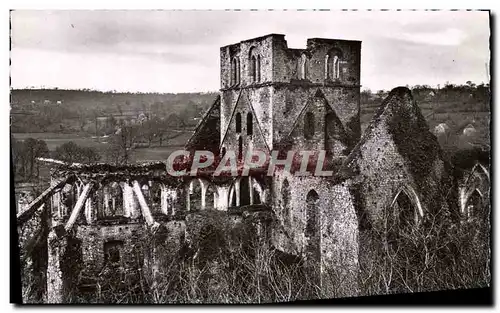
point(274, 97)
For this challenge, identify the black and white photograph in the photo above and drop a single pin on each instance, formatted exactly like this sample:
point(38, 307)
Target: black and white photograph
point(250, 156)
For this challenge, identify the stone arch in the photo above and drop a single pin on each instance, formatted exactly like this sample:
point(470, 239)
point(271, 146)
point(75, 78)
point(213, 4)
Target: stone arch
point(407, 200)
point(197, 194)
point(245, 190)
point(477, 180)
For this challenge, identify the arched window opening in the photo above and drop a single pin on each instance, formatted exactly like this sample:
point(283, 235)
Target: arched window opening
point(112, 251)
point(245, 191)
point(210, 198)
point(309, 125)
point(69, 197)
point(258, 68)
point(233, 72)
point(311, 216)
point(256, 196)
point(113, 200)
point(327, 66)
point(473, 207)
point(237, 70)
point(312, 228)
point(240, 148)
point(253, 69)
point(146, 193)
point(232, 196)
point(286, 195)
point(238, 122)
point(155, 193)
point(336, 67)
point(332, 62)
point(249, 124)
point(303, 67)
point(194, 195)
point(407, 212)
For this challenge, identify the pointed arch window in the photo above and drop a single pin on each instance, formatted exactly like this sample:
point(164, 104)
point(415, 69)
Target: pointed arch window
point(303, 67)
point(312, 226)
point(253, 68)
point(238, 122)
point(258, 69)
point(473, 206)
point(285, 196)
point(332, 64)
point(249, 124)
point(408, 207)
point(309, 125)
point(233, 71)
point(238, 70)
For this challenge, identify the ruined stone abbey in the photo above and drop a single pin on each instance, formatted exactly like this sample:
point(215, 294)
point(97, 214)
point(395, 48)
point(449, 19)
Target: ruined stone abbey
point(272, 97)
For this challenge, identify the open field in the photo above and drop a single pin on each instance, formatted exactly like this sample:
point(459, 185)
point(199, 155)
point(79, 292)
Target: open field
point(54, 140)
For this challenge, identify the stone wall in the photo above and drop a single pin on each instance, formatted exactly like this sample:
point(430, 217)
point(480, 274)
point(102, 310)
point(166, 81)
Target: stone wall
point(336, 225)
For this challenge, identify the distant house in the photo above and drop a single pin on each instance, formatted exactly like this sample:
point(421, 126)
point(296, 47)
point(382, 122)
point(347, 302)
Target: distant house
point(429, 95)
point(59, 101)
point(46, 101)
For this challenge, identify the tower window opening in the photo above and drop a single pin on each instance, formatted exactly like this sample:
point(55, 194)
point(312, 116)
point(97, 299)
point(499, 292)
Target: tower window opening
point(309, 125)
point(249, 124)
point(238, 122)
point(253, 69)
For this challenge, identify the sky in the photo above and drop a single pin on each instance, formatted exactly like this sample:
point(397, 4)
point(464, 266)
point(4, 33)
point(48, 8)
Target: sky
point(178, 51)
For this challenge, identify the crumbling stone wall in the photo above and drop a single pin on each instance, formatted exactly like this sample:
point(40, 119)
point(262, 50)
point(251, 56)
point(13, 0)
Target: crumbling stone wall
point(397, 155)
point(383, 161)
point(336, 225)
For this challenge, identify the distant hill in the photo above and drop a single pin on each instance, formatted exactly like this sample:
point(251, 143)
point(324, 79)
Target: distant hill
point(70, 110)
point(106, 101)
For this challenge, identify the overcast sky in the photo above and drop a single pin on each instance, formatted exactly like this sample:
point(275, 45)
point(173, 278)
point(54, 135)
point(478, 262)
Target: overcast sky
point(178, 51)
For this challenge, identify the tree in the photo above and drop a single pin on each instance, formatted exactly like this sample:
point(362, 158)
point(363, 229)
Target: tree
point(366, 95)
point(27, 153)
point(72, 153)
point(149, 129)
point(122, 143)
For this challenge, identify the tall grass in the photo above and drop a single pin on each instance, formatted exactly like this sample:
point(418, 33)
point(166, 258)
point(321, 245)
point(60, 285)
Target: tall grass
point(223, 261)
